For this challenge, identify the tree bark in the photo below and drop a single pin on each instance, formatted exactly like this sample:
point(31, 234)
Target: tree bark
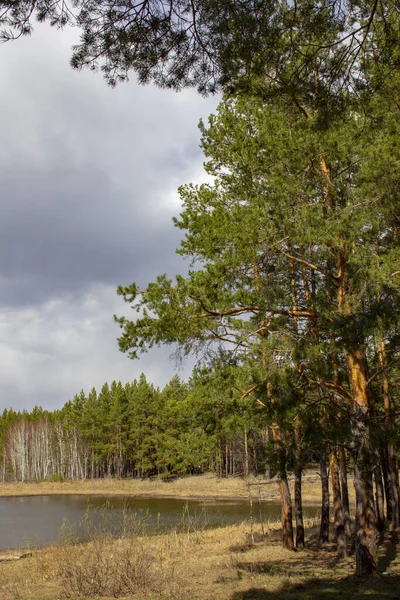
point(324, 528)
point(287, 517)
point(366, 550)
point(383, 450)
point(298, 501)
point(286, 501)
point(379, 495)
point(392, 476)
point(340, 530)
point(365, 537)
point(344, 490)
point(246, 455)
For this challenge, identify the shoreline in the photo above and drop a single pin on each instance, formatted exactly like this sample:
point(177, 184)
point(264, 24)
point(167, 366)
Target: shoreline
point(202, 488)
point(204, 499)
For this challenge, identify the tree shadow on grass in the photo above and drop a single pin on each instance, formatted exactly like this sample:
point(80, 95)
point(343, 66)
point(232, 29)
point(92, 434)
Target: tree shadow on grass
point(374, 588)
point(389, 551)
point(319, 575)
point(299, 568)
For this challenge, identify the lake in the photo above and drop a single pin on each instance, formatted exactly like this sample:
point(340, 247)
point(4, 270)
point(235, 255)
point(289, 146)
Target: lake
point(34, 521)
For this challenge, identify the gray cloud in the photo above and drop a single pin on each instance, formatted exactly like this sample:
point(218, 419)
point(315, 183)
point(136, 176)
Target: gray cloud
point(52, 351)
point(88, 179)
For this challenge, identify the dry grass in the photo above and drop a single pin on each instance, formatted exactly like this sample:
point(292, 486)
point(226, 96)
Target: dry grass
point(198, 564)
point(189, 487)
point(219, 564)
point(122, 568)
point(195, 564)
point(202, 486)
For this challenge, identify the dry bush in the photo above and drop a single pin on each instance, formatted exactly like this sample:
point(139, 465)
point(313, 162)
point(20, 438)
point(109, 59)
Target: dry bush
point(110, 566)
point(194, 522)
point(107, 567)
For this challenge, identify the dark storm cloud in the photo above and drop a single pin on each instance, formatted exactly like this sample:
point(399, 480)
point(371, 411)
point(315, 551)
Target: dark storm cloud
point(88, 179)
point(86, 175)
point(67, 227)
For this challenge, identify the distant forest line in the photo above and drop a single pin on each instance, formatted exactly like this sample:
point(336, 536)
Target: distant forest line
point(137, 430)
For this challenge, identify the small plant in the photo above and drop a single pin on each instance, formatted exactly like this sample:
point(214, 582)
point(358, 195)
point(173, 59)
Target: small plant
point(56, 478)
point(194, 521)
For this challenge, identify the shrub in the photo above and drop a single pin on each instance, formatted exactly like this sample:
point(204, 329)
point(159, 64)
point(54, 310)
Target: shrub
point(108, 566)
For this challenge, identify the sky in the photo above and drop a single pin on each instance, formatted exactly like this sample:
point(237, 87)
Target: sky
point(88, 180)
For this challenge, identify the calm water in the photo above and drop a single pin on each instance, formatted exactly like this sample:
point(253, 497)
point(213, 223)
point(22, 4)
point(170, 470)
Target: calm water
point(36, 521)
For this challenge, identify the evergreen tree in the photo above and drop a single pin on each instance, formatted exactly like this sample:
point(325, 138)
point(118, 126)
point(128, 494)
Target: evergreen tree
point(143, 410)
point(284, 245)
point(91, 431)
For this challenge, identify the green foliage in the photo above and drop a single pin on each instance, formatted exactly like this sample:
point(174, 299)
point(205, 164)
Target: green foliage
point(294, 250)
point(269, 219)
point(267, 48)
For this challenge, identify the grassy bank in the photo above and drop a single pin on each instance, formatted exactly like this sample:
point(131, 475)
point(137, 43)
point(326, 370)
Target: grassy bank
point(217, 564)
point(198, 564)
point(202, 486)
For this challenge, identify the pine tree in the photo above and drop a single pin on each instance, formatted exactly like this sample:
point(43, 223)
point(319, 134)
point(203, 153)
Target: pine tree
point(231, 45)
point(287, 235)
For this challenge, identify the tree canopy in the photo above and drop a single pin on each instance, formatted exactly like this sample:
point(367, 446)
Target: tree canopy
point(213, 44)
point(266, 238)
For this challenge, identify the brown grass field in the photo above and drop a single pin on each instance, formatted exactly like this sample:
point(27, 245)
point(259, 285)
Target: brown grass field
point(197, 564)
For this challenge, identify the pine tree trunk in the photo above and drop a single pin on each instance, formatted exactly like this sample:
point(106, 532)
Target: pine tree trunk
point(366, 551)
point(379, 495)
point(286, 501)
point(344, 491)
point(393, 485)
point(385, 468)
point(340, 530)
point(246, 455)
point(392, 479)
point(365, 526)
point(219, 459)
point(298, 501)
point(270, 438)
point(287, 517)
point(324, 528)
